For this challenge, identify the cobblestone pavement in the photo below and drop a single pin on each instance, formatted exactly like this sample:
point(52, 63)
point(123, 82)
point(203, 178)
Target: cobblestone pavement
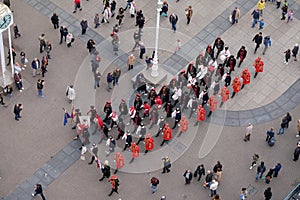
point(267, 98)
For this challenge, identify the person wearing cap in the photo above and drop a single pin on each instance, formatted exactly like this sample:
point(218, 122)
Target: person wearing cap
point(114, 184)
point(224, 93)
point(135, 151)
point(94, 151)
point(105, 170)
point(295, 51)
point(236, 86)
point(149, 143)
point(258, 65)
point(166, 164)
point(119, 159)
point(108, 110)
point(128, 140)
point(146, 108)
point(123, 108)
point(161, 125)
point(219, 44)
point(153, 116)
point(246, 77)
point(213, 104)
point(201, 115)
point(177, 115)
point(248, 133)
point(184, 124)
point(241, 55)
point(258, 39)
point(167, 134)
point(141, 131)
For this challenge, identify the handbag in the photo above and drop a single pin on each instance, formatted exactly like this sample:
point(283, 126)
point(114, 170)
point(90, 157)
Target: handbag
point(230, 18)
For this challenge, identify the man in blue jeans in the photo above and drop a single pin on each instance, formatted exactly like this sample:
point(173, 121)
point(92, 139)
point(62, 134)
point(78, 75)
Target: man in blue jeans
point(173, 20)
point(260, 170)
point(255, 15)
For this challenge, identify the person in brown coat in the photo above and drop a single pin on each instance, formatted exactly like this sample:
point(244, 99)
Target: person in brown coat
point(189, 14)
point(130, 61)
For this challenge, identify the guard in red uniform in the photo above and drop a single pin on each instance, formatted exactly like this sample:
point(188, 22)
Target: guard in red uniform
point(149, 143)
point(246, 77)
point(135, 151)
point(224, 93)
point(146, 108)
point(236, 86)
point(119, 158)
point(167, 134)
point(213, 104)
point(201, 114)
point(184, 125)
point(114, 184)
point(258, 65)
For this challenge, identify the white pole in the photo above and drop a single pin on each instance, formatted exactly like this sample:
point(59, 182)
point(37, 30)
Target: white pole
point(10, 53)
point(154, 69)
point(2, 56)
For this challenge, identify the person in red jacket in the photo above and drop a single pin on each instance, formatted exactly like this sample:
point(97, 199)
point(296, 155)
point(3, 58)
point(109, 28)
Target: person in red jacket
point(114, 184)
point(146, 108)
point(149, 143)
point(77, 5)
point(135, 151)
point(184, 125)
point(167, 134)
point(201, 114)
point(213, 104)
point(236, 86)
point(119, 158)
point(158, 102)
point(224, 93)
point(258, 65)
point(246, 77)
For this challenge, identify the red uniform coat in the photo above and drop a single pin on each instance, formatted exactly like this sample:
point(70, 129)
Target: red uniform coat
point(201, 113)
point(135, 150)
point(224, 94)
point(99, 121)
point(158, 102)
point(184, 124)
point(213, 103)
point(259, 65)
point(246, 76)
point(167, 133)
point(149, 144)
point(236, 85)
point(146, 109)
point(119, 160)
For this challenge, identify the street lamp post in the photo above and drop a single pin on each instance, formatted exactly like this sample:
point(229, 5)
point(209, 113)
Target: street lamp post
point(154, 69)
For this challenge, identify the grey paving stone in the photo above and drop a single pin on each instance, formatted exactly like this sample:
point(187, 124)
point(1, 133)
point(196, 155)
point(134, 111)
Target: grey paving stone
point(202, 34)
point(195, 41)
point(289, 93)
point(179, 147)
point(245, 114)
point(40, 173)
point(248, 5)
point(281, 100)
point(69, 160)
point(210, 27)
point(220, 20)
point(51, 6)
point(245, 122)
point(76, 155)
point(175, 57)
point(75, 144)
point(26, 186)
point(124, 57)
point(231, 122)
point(68, 149)
point(65, 16)
point(271, 106)
point(21, 194)
point(224, 26)
point(288, 106)
point(232, 114)
point(32, 3)
point(61, 155)
point(38, 6)
point(297, 14)
point(45, 2)
point(217, 32)
point(46, 12)
point(61, 168)
point(262, 119)
point(71, 19)
point(296, 85)
point(277, 113)
point(296, 98)
point(99, 39)
point(220, 114)
point(210, 39)
point(173, 142)
point(241, 2)
point(58, 11)
point(169, 62)
point(55, 172)
point(258, 111)
point(33, 179)
point(11, 196)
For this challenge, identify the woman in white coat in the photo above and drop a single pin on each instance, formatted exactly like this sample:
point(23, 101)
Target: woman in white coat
point(70, 93)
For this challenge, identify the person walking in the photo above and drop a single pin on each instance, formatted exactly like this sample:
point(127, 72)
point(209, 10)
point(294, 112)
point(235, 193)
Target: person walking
point(258, 65)
point(260, 170)
point(224, 93)
point(120, 16)
point(188, 175)
point(201, 115)
point(36, 67)
point(277, 168)
point(40, 86)
point(105, 169)
point(246, 77)
point(268, 193)
point(38, 189)
point(16, 31)
point(84, 26)
point(166, 164)
point(96, 20)
point(63, 34)
point(119, 160)
point(269, 176)
point(44, 65)
point(200, 170)
point(69, 39)
point(261, 4)
point(116, 75)
point(48, 49)
point(184, 124)
point(255, 15)
point(236, 86)
point(77, 5)
point(296, 153)
point(295, 51)
point(109, 80)
point(258, 38)
point(114, 184)
point(167, 134)
point(287, 56)
point(137, 39)
point(130, 61)
point(97, 76)
point(70, 93)
point(94, 151)
point(213, 187)
point(255, 158)
point(43, 42)
point(55, 21)
point(213, 104)
point(235, 15)
point(17, 111)
point(284, 9)
point(135, 152)
point(248, 133)
point(173, 20)
point(270, 135)
point(18, 81)
point(149, 143)
point(188, 14)
point(153, 184)
point(267, 42)
point(142, 49)
point(298, 128)
point(244, 194)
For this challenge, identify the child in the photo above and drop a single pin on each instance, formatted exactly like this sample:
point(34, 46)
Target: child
point(261, 24)
point(178, 45)
point(290, 16)
point(255, 158)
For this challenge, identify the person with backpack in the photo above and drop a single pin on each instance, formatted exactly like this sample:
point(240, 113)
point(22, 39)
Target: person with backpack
point(260, 170)
point(154, 183)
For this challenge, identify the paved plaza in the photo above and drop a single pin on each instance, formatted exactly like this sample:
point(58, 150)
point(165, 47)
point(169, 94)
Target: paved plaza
point(39, 149)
